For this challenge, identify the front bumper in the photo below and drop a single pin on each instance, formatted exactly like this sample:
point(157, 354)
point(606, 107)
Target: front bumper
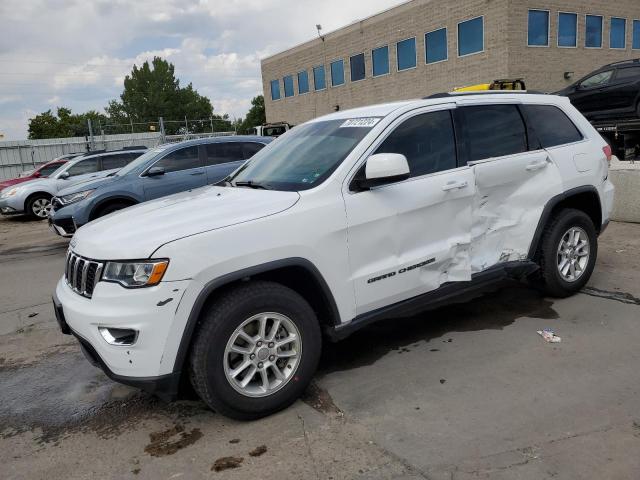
point(150, 311)
point(65, 227)
point(11, 206)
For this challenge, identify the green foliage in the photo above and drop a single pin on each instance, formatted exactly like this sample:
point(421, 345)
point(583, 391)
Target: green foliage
point(256, 116)
point(63, 124)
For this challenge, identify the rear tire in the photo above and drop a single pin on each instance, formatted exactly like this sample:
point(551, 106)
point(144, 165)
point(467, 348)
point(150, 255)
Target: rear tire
point(237, 330)
point(39, 206)
point(568, 253)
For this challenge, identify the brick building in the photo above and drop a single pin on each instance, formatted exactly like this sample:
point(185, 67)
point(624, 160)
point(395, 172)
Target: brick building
point(427, 46)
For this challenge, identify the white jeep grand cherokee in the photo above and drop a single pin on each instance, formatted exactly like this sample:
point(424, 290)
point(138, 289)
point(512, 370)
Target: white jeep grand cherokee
point(351, 218)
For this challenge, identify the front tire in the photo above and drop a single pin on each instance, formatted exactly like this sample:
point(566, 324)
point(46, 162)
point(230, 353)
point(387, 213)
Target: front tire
point(255, 350)
point(110, 208)
point(39, 206)
point(568, 253)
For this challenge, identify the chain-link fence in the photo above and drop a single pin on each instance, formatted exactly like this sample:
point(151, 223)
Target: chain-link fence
point(19, 156)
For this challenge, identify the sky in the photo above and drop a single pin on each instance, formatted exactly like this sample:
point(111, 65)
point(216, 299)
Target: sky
point(76, 53)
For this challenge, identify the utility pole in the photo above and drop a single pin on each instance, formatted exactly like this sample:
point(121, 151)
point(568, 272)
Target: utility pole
point(186, 124)
point(162, 132)
point(91, 144)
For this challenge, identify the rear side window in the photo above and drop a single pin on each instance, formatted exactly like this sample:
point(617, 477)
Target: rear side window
point(183, 159)
point(493, 131)
point(218, 153)
point(85, 166)
point(551, 125)
point(250, 149)
point(631, 72)
point(109, 162)
point(426, 140)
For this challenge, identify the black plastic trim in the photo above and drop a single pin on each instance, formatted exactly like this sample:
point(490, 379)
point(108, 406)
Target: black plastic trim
point(548, 208)
point(204, 295)
point(454, 291)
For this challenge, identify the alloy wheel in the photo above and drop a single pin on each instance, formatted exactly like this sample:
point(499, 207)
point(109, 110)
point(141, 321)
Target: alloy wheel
point(573, 254)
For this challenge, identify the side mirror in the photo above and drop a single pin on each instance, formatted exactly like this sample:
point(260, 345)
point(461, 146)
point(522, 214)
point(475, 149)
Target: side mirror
point(381, 169)
point(155, 172)
point(36, 174)
point(64, 175)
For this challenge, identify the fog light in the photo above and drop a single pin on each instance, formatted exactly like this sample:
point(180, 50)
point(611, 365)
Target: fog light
point(122, 337)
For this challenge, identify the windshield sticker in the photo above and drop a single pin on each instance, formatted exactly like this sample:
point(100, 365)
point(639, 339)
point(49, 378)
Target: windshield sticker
point(360, 122)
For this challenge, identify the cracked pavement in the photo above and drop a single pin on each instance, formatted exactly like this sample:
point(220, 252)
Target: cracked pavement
point(469, 391)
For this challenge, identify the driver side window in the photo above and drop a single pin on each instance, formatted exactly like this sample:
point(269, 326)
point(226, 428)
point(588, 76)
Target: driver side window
point(86, 166)
point(598, 79)
point(428, 142)
point(183, 159)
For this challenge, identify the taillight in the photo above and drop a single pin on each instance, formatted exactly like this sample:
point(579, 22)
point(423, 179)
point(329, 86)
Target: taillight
point(608, 153)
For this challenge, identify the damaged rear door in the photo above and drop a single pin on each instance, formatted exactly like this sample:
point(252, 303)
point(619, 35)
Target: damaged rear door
point(409, 237)
point(514, 178)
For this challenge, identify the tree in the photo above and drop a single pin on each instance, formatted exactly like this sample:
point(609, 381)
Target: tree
point(63, 124)
point(256, 116)
point(153, 91)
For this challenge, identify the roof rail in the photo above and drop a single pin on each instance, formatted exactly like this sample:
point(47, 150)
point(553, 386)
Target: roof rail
point(135, 147)
point(483, 92)
point(622, 62)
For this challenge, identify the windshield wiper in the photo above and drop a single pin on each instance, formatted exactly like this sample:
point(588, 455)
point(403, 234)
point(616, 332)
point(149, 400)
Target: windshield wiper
point(252, 184)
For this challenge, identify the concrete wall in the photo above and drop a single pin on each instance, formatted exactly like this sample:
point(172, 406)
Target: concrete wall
point(506, 53)
point(625, 176)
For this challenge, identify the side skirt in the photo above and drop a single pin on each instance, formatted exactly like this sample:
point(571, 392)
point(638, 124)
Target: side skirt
point(447, 293)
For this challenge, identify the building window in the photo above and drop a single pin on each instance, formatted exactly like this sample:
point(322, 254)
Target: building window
point(288, 86)
point(303, 82)
point(435, 45)
point(275, 90)
point(538, 35)
point(567, 30)
point(337, 73)
point(380, 59)
point(357, 67)
point(593, 37)
point(618, 33)
point(471, 36)
point(636, 34)
point(319, 81)
point(406, 51)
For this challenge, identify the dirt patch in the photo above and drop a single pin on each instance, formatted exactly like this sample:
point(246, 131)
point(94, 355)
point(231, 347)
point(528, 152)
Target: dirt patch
point(226, 463)
point(256, 452)
point(170, 441)
point(319, 399)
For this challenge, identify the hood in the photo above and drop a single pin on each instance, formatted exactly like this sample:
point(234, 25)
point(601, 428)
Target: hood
point(14, 181)
point(138, 231)
point(87, 185)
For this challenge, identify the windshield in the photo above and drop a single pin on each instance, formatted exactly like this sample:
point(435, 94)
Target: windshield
point(304, 157)
point(59, 169)
point(141, 160)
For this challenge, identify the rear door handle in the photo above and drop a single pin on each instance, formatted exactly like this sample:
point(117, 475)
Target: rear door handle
point(454, 185)
point(538, 165)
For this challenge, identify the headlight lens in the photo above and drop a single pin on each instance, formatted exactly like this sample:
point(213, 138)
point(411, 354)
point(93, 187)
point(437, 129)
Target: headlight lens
point(135, 274)
point(74, 197)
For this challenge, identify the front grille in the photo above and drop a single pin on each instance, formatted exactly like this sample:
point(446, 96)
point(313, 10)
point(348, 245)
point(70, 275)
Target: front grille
point(82, 274)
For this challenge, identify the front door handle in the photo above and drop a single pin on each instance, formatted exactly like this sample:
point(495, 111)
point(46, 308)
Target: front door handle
point(454, 185)
point(197, 173)
point(538, 165)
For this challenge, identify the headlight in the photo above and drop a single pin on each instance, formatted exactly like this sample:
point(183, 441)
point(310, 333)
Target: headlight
point(74, 197)
point(9, 192)
point(135, 274)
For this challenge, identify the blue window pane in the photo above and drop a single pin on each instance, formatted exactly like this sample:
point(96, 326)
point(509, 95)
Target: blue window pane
point(357, 67)
point(406, 51)
point(288, 86)
point(568, 30)
point(538, 28)
point(337, 73)
point(303, 82)
point(319, 82)
point(436, 45)
point(593, 38)
point(618, 33)
point(380, 57)
point(636, 34)
point(275, 90)
point(471, 36)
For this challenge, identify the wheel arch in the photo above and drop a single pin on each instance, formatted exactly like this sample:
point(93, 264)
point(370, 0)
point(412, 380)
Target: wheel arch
point(111, 199)
point(34, 194)
point(299, 274)
point(585, 198)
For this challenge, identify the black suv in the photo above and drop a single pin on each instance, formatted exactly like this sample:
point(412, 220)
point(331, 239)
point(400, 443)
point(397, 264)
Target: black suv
point(610, 91)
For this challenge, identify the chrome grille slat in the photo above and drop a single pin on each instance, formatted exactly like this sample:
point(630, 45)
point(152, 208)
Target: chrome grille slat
point(76, 273)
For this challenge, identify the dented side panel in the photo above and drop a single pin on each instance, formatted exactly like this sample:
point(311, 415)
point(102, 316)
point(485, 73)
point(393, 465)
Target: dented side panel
point(409, 238)
point(511, 193)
